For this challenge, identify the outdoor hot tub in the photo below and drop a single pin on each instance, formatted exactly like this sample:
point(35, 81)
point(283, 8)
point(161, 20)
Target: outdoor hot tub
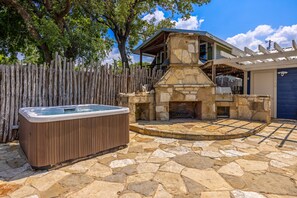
point(52, 135)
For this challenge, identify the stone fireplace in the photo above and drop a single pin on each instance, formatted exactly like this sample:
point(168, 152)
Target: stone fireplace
point(185, 91)
point(183, 88)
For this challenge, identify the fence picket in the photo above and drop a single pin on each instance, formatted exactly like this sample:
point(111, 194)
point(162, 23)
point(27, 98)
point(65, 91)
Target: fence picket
point(3, 98)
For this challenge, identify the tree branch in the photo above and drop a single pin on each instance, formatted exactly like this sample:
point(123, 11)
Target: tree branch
point(65, 11)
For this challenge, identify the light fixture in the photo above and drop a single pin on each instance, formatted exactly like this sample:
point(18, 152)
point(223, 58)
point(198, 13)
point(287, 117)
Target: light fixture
point(282, 73)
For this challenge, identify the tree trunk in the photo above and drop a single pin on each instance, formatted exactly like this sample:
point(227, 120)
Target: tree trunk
point(47, 55)
point(123, 52)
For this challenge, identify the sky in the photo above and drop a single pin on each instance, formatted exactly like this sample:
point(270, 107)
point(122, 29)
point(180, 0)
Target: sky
point(239, 22)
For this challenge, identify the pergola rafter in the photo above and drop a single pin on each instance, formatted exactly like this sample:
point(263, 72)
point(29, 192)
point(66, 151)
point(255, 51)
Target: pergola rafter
point(264, 59)
point(294, 44)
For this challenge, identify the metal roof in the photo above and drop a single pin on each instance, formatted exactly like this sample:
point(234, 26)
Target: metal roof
point(198, 32)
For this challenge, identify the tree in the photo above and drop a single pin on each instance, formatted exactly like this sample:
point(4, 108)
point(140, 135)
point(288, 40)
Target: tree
point(51, 26)
point(12, 35)
point(124, 18)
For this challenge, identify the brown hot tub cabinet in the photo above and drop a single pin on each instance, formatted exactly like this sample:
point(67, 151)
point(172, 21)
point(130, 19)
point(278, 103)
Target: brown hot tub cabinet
point(48, 140)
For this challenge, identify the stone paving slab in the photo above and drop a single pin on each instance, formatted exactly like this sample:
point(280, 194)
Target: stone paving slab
point(259, 166)
point(189, 129)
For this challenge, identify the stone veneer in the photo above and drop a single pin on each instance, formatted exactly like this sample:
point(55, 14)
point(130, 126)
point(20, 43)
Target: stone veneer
point(183, 48)
point(185, 84)
point(249, 107)
point(133, 101)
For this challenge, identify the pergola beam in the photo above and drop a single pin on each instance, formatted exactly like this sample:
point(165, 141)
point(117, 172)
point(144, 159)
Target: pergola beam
point(249, 51)
point(271, 65)
point(154, 47)
point(278, 48)
point(263, 49)
point(228, 63)
point(260, 57)
point(294, 45)
point(266, 60)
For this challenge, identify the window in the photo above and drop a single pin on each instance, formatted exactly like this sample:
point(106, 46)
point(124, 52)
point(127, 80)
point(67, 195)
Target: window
point(161, 57)
point(203, 52)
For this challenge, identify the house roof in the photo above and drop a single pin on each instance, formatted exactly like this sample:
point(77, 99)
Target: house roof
point(198, 32)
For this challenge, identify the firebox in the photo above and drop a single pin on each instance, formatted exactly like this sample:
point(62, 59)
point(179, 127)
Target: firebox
point(142, 111)
point(184, 110)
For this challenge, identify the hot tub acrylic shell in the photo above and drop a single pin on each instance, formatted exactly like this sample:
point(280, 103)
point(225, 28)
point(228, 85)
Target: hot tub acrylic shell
point(49, 140)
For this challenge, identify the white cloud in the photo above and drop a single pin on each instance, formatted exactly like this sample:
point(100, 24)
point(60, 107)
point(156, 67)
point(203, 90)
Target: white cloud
point(191, 23)
point(252, 38)
point(200, 22)
point(283, 36)
point(113, 55)
point(157, 16)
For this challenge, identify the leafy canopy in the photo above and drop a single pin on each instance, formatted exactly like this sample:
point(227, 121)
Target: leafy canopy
point(37, 29)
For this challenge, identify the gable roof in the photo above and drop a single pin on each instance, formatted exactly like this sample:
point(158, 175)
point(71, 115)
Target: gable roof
point(198, 32)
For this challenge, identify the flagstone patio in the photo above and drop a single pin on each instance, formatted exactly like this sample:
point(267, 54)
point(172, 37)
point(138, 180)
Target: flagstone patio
point(262, 165)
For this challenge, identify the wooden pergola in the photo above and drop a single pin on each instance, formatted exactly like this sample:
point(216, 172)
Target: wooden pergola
point(264, 59)
point(250, 60)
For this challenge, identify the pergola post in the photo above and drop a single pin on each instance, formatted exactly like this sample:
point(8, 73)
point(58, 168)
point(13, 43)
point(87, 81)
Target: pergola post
point(245, 81)
point(213, 73)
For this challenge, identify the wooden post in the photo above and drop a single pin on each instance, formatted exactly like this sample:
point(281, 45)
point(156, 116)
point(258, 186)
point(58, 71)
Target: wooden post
point(50, 87)
point(44, 99)
point(245, 80)
point(213, 73)
point(3, 98)
point(140, 58)
point(214, 56)
point(55, 95)
point(60, 102)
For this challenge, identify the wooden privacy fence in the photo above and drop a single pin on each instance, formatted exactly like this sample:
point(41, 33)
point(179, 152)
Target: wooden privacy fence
point(64, 83)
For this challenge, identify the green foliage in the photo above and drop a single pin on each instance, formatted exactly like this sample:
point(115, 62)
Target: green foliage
point(12, 35)
point(88, 36)
point(38, 29)
point(51, 34)
point(144, 64)
point(31, 54)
